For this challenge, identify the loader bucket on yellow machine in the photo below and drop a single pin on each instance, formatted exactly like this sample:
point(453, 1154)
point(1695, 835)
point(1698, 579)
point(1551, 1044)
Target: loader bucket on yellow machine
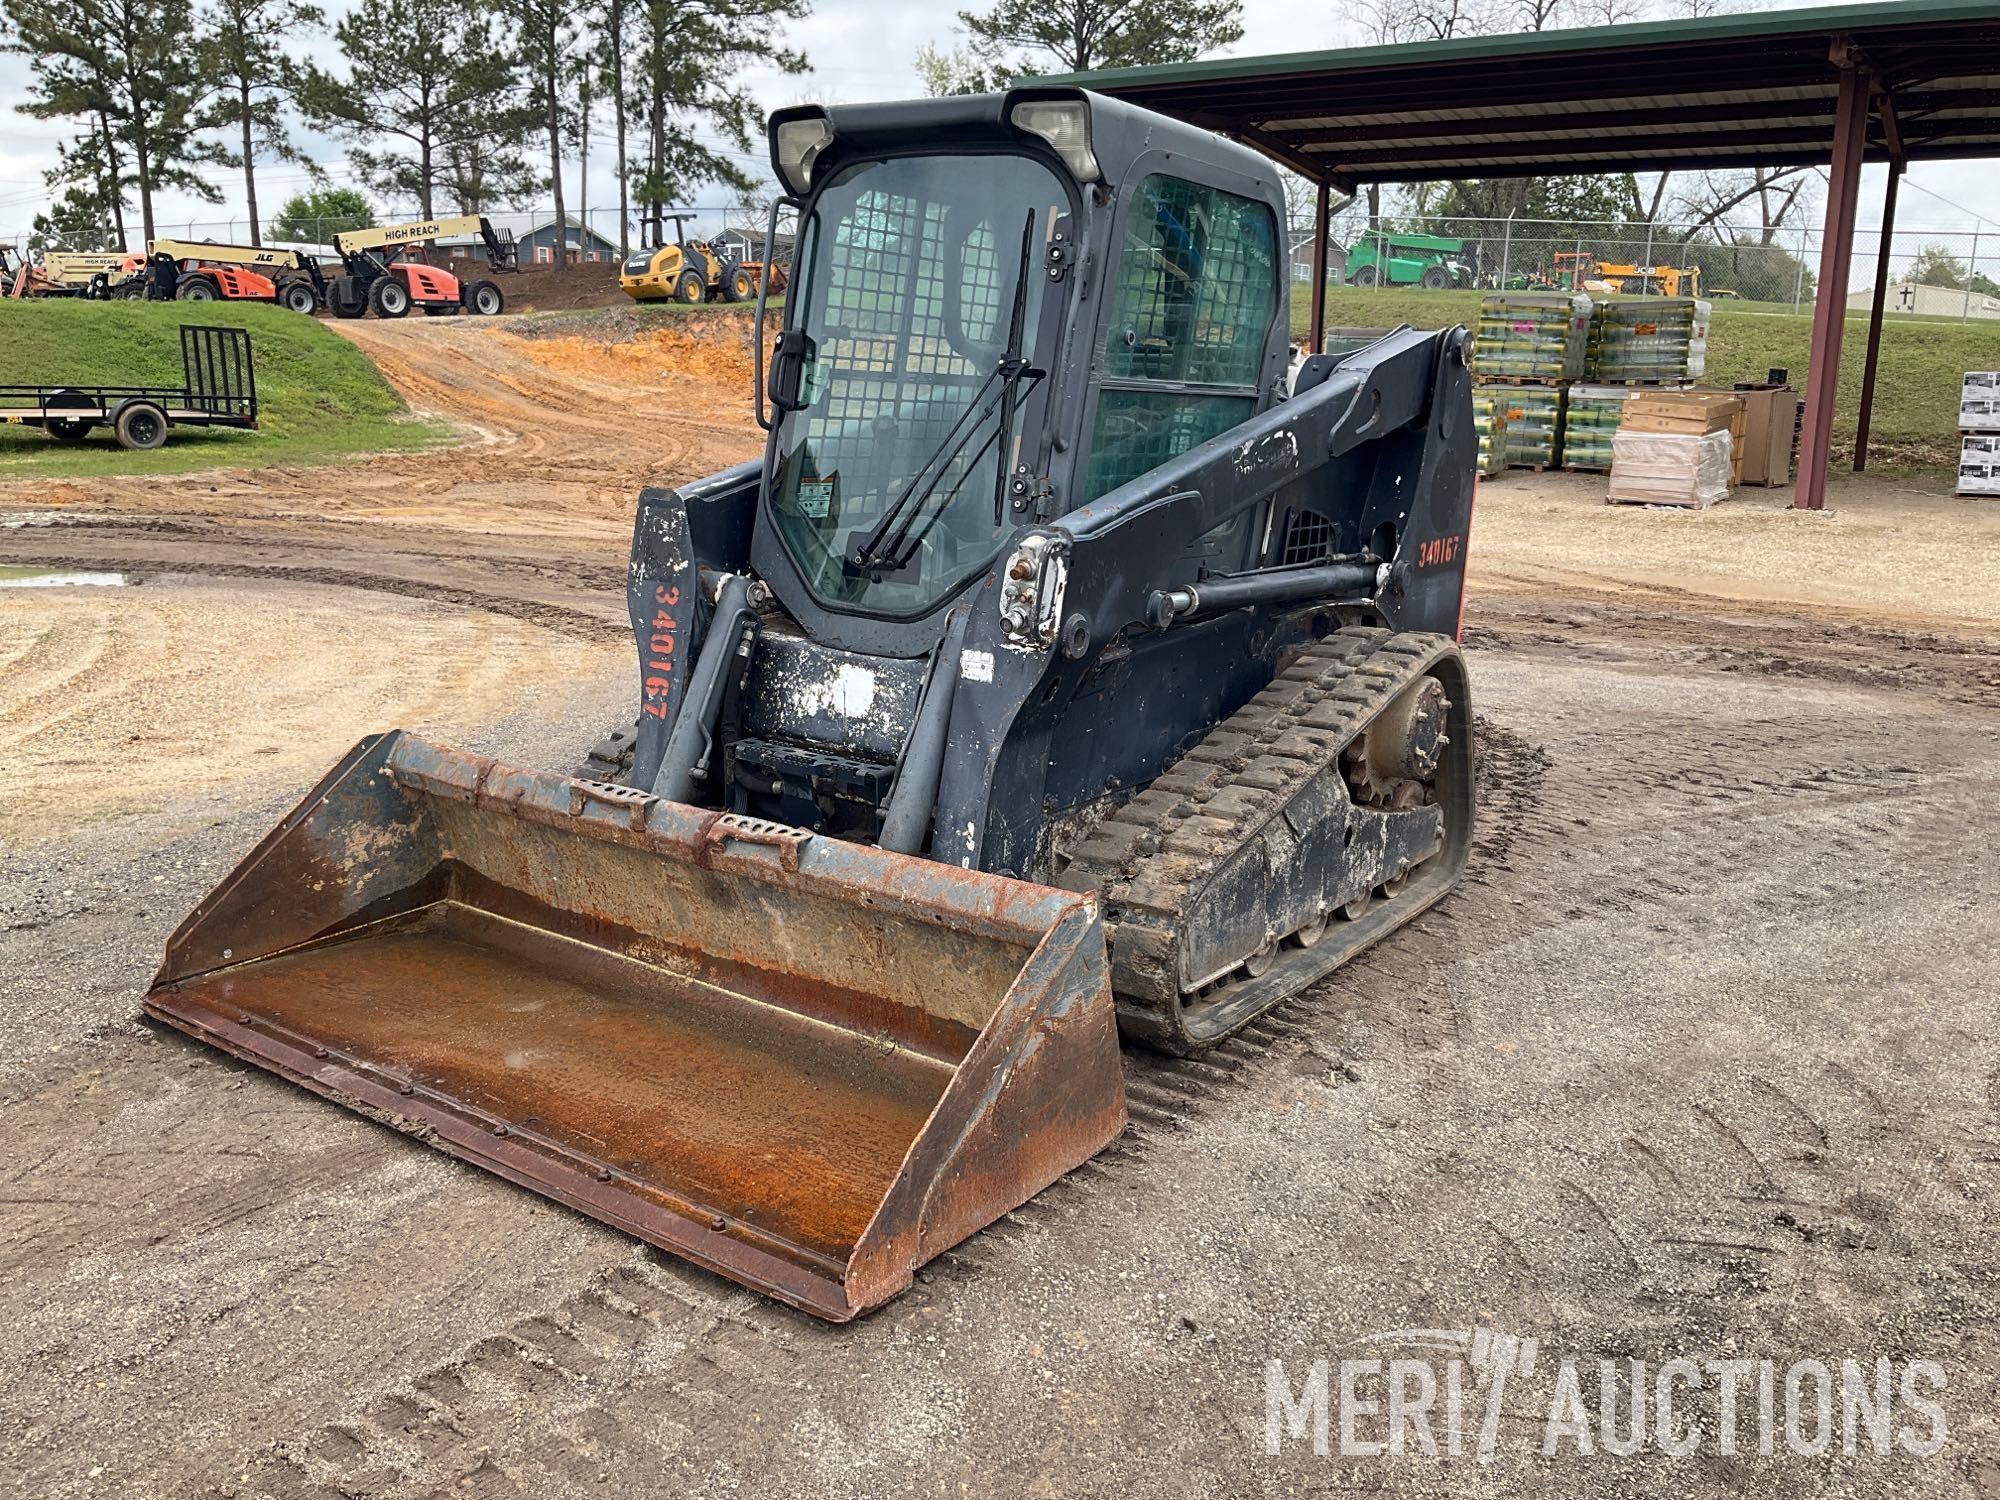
point(806, 1064)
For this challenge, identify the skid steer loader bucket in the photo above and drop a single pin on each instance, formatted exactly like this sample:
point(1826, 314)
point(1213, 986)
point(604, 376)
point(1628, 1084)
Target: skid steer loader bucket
point(806, 1064)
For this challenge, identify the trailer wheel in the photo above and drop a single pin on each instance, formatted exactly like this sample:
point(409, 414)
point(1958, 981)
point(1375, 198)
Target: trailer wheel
point(70, 429)
point(1364, 276)
point(140, 425)
point(197, 289)
point(484, 298)
point(1436, 278)
point(298, 296)
point(389, 298)
point(691, 287)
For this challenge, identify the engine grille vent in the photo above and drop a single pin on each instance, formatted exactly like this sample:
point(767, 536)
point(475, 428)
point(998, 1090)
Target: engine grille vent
point(1308, 537)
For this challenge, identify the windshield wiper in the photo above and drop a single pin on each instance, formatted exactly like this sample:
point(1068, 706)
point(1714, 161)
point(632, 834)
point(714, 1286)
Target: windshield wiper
point(890, 541)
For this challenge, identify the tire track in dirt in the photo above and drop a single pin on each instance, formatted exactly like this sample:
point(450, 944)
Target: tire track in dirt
point(578, 623)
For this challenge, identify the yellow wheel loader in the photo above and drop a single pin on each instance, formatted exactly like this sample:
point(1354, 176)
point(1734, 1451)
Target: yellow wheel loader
point(689, 271)
point(1061, 670)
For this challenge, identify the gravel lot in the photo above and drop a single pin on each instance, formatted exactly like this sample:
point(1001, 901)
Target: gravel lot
point(1699, 1063)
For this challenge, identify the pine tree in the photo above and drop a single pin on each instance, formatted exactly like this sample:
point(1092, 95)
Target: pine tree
point(431, 103)
point(549, 40)
point(245, 58)
point(610, 63)
point(132, 71)
point(1018, 38)
point(689, 68)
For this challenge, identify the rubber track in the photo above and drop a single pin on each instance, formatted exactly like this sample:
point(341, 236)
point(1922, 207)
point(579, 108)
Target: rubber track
point(1150, 858)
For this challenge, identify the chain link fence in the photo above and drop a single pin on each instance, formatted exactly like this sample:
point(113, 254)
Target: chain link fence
point(593, 234)
point(1934, 273)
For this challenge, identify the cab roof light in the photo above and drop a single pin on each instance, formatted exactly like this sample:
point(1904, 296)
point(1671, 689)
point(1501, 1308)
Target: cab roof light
point(796, 145)
point(1065, 125)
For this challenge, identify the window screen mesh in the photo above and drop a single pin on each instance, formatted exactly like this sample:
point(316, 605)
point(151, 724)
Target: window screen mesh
point(886, 346)
point(1137, 431)
point(906, 288)
point(1196, 289)
point(1196, 286)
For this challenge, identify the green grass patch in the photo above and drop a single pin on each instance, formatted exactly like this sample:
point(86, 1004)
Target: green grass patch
point(320, 399)
point(1916, 393)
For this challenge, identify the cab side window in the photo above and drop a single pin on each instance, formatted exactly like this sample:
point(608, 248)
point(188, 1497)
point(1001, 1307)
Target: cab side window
point(1195, 289)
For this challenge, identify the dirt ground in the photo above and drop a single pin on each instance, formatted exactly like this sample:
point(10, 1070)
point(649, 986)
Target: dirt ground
point(536, 288)
point(1699, 1062)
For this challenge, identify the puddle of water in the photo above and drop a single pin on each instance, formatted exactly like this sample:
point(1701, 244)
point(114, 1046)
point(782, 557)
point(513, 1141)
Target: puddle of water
point(56, 578)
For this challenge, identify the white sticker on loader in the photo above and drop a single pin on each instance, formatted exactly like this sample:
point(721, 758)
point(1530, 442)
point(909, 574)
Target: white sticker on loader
point(975, 666)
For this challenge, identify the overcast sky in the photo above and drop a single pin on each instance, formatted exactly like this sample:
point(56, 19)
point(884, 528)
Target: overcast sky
point(852, 61)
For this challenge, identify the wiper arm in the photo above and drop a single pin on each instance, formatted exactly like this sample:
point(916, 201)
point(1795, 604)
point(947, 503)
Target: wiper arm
point(887, 539)
point(1016, 328)
point(916, 534)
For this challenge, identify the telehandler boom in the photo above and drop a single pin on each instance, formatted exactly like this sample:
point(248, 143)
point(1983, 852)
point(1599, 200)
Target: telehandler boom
point(378, 274)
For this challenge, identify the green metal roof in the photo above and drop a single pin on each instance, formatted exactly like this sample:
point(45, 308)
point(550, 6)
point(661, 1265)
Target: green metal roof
point(1723, 90)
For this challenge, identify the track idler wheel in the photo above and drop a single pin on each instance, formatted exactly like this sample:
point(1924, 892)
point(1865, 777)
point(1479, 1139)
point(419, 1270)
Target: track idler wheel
point(1403, 745)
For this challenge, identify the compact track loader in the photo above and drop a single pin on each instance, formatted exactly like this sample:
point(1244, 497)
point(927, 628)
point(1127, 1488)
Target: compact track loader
point(1061, 668)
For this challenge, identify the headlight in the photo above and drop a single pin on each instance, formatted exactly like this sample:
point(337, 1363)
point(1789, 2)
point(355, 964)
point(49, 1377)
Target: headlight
point(1065, 125)
point(795, 145)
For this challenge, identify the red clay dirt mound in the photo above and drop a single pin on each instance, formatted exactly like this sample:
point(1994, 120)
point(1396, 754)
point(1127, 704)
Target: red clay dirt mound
point(711, 347)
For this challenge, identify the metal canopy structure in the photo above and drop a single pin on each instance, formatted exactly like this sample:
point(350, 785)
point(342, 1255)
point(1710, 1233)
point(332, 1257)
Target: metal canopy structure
point(1912, 80)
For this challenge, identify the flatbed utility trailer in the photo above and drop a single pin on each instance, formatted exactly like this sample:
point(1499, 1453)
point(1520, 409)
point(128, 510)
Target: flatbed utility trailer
point(219, 389)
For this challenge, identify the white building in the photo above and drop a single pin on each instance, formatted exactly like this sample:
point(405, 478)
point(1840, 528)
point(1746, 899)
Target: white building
point(1928, 301)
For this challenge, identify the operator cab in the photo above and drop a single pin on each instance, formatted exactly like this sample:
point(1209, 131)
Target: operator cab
point(1001, 308)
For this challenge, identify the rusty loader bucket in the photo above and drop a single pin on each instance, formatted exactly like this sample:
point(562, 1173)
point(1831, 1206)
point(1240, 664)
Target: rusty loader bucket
point(806, 1064)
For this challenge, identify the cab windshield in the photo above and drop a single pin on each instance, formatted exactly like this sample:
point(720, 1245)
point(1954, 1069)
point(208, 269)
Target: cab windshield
point(907, 282)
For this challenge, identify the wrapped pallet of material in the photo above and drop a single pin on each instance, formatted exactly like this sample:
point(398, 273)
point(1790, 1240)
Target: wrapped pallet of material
point(1531, 336)
point(1646, 340)
point(1534, 417)
point(1489, 419)
point(1697, 360)
point(1591, 416)
point(1689, 469)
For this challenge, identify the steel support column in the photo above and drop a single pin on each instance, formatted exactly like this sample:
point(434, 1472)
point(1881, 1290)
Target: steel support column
point(1850, 140)
point(1867, 411)
point(1322, 226)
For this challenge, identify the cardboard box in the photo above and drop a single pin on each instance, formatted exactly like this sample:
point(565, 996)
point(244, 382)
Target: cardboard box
point(1770, 435)
point(1979, 413)
point(1690, 413)
point(1980, 385)
point(1684, 411)
point(1979, 465)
